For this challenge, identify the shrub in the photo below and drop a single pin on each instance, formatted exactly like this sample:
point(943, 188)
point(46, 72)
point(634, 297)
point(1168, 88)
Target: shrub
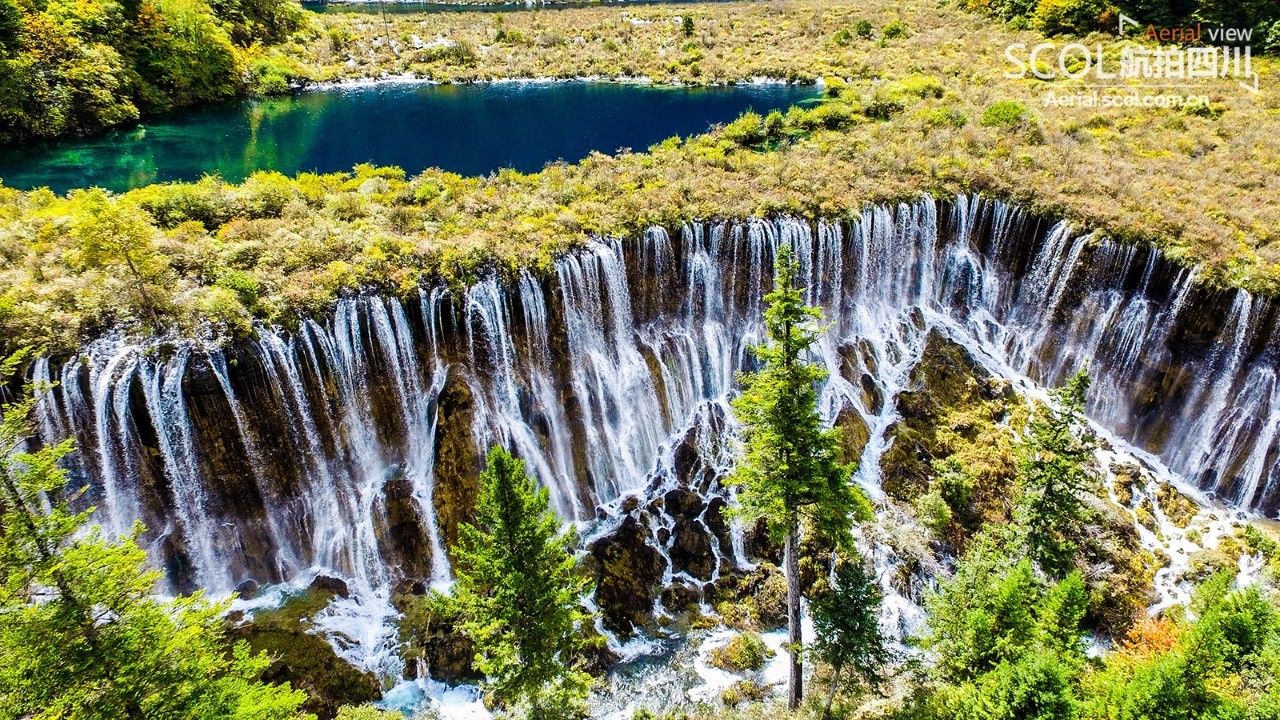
point(1005, 114)
point(829, 116)
point(265, 194)
point(947, 117)
point(917, 85)
point(746, 651)
point(176, 203)
point(1060, 17)
point(221, 307)
point(774, 125)
point(883, 108)
point(244, 285)
point(746, 130)
point(744, 691)
point(894, 30)
point(863, 29)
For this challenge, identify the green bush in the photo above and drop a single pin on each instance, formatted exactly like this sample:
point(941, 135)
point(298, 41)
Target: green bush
point(265, 194)
point(244, 285)
point(863, 29)
point(175, 203)
point(73, 67)
point(917, 85)
point(747, 130)
point(1005, 114)
point(894, 30)
point(746, 651)
point(947, 117)
point(883, 108)
point(1062, 17)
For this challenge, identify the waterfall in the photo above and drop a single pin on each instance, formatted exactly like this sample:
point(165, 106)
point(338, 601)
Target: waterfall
point(350, 444)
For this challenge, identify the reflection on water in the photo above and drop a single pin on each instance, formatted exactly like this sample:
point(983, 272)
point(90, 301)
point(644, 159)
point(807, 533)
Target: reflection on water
point(469, 129)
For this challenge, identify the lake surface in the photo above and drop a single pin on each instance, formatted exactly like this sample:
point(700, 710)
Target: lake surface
point(469, 129)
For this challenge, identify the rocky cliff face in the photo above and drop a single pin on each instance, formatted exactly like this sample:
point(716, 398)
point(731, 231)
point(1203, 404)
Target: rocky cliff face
point(352, 445)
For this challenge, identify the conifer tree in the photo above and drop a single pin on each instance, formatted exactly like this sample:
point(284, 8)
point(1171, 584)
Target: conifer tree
point(82, 634)
point(519, 589)
point(790, 468)
point(1055, 466)
point(846, 625)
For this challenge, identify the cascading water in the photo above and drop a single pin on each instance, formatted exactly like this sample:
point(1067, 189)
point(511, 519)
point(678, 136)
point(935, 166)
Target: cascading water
point(350, 445)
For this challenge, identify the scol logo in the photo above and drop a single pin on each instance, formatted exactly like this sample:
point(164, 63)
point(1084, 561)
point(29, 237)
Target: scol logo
point(1175, 62)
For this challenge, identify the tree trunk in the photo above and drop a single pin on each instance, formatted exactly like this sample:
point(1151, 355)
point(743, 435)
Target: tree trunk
point(831, 692)
point(795, 686)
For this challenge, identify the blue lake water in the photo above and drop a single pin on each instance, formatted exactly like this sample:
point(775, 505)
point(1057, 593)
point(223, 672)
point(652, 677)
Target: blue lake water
point(469, 129)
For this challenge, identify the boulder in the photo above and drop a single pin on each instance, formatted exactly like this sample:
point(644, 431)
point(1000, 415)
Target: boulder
point(628, 574)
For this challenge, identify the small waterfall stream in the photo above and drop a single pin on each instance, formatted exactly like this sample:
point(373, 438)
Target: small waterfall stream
point(350, 445)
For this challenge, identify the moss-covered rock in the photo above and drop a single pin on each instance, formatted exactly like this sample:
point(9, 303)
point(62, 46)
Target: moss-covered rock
point(753, 601)
point(305, 660)
point(744, 652)
point(628, 575)
point(742, 692)
point(458, 464)
point(1177, 507)
point(854, 434)
point(1120, 574)
point(433, 644)
point(945, 379)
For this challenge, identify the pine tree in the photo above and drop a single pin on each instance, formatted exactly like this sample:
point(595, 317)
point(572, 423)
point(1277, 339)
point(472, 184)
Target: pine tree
point(1055, 466)
point(519, 590)
point(82, 635)
point(789, 469)
point(846, 625)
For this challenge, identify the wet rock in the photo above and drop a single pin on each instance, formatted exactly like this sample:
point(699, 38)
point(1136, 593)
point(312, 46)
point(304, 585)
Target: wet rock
point(305, 660)
point(401, 529)
point(755, 600)
point(331, 585)
point(854, 434)
point(760, 545)
point(945, 378)
point(458, 462)
point(1177, 507)
point(682, 502)
point(248, 589)
point(690, 549)
point(596, 656)
point(628, 575)
point(434, 645)
point(680, 597)
point(715, 521)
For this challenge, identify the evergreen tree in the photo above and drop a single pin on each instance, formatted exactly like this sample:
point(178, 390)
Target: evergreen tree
point(519, 588)
point(789, 469)
point(1055, 465)
point(82, 636)
point(1007, 645)
point(846, 625)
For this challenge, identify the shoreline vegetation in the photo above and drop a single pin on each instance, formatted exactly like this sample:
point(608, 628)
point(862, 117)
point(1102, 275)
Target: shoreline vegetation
point(916, 101)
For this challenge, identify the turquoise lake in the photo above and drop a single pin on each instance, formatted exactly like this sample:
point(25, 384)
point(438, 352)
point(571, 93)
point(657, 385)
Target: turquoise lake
point(470, 129)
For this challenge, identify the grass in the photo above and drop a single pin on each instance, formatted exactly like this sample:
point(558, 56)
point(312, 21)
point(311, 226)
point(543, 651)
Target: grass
point(927, 111)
